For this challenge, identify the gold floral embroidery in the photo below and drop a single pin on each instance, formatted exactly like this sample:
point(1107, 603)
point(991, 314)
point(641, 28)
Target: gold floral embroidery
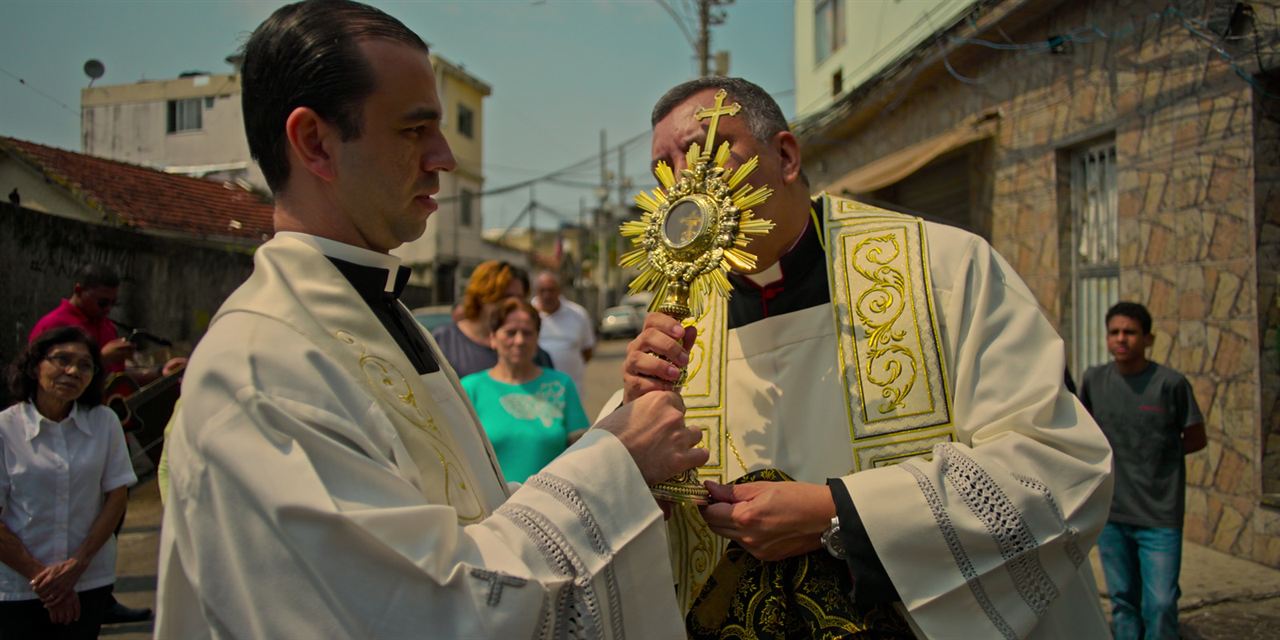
point(879, 307)
point(889, 346)
point(386, 379)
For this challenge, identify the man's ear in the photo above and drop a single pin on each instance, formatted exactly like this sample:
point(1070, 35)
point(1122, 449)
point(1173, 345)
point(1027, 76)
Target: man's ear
point(1148, 340)
point(309, 137)
point(788, 149)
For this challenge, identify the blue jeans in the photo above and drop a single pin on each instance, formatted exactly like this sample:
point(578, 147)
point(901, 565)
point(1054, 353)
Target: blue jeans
point(1141, 565)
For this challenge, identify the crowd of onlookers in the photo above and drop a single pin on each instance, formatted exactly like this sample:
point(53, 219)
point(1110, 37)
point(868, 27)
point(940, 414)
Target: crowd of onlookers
point(521, 362)
point(66, 467)
point(520, 355)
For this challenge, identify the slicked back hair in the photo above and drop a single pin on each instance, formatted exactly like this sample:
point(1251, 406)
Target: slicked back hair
point(307, 54)
point(764, 116)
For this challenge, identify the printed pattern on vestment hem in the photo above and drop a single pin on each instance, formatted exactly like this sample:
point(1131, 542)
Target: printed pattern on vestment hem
point(1005, 524)
point(577, 609)
point(952, 537)
point(568, 495)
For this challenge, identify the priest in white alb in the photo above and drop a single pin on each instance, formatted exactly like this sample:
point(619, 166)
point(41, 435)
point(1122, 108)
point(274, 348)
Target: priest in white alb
point(328, 479)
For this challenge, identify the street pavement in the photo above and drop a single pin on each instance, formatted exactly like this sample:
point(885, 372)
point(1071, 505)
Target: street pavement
point(1223, 597)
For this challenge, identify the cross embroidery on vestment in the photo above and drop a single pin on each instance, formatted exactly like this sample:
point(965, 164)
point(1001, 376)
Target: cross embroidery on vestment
point(496, 582)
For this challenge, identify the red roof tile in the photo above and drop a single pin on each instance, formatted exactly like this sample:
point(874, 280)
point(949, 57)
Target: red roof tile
point(147, 199)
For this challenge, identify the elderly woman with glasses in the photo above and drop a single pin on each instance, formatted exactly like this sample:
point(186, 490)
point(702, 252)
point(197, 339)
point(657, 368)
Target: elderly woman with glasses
point(64, 477)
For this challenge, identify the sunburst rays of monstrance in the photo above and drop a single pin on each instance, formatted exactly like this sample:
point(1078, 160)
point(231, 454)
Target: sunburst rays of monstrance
point(693, 231)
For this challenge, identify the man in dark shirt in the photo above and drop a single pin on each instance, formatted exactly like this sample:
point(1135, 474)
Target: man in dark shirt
point(1150, 416)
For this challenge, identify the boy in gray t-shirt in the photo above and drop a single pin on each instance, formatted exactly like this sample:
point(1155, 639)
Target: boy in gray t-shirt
point(1151, 418)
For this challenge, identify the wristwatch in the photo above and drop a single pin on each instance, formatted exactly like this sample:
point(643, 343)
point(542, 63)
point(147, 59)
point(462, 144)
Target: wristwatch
point(833, 542)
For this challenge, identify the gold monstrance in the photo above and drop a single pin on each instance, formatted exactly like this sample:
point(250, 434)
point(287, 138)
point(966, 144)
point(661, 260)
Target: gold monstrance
point(692, 232)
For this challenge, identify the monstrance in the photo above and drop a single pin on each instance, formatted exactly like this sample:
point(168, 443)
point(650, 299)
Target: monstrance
point(693, 232)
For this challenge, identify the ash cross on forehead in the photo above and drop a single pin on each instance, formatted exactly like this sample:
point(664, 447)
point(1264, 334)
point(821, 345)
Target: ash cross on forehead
point(714, 113)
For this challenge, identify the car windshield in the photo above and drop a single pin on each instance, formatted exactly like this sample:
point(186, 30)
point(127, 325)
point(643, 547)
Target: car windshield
point(433, 320)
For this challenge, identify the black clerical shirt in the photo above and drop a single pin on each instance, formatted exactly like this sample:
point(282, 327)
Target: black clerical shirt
point(370, 283)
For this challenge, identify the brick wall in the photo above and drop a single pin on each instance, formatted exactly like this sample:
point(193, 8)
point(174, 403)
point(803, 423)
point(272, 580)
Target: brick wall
point(1199, 212)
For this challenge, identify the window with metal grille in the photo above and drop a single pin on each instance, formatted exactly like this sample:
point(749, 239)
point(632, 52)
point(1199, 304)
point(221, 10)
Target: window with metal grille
point(185, 115)
point(828, 28)
point(1095, 258)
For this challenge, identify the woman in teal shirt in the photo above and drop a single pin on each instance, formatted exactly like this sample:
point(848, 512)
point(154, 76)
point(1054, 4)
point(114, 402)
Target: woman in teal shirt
point(531, 414)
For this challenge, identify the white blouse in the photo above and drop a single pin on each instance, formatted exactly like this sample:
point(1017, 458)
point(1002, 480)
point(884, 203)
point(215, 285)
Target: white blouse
point(52, 479)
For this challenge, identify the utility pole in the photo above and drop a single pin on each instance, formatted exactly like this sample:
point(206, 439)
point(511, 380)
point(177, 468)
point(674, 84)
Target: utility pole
point(584, 238)
point(602, 255)
point(708, 16)
point(533, 231)
point(624, 185)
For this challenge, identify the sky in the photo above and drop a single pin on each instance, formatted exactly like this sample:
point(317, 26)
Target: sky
point(561, 71)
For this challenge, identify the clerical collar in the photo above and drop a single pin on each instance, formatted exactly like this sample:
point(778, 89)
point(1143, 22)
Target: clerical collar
point(802, 282)
point(386, 264)
point(796, 263)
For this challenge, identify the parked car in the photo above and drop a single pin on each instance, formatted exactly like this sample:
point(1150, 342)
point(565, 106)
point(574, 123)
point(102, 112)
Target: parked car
point(433, 316)
point(621, 321)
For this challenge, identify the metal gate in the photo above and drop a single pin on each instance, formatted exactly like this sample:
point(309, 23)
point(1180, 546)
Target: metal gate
point(1095, 263)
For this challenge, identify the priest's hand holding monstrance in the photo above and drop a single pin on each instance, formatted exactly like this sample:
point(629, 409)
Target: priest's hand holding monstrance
point(694, 230)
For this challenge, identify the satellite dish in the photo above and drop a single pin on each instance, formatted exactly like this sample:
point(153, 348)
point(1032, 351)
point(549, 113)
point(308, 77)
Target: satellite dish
point(94, 69)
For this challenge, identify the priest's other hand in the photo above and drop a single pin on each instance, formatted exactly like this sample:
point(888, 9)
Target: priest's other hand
point(654, 358)
point(652, 429)
point(771, 520)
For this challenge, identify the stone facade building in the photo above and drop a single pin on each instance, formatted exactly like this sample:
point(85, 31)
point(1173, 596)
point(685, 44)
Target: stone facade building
point(1109, 149)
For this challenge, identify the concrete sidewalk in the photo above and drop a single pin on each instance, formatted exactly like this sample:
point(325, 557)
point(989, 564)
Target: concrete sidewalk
point(1210, 577)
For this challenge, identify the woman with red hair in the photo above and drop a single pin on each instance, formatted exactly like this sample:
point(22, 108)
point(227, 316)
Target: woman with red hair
point(465, 343)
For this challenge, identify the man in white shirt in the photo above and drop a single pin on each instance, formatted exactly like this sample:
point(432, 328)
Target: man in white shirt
point(327, 477)
point(566, 328)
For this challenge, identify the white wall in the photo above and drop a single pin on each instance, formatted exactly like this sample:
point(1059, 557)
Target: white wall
point(39, 195)
point(128, 123)
point(876, 34)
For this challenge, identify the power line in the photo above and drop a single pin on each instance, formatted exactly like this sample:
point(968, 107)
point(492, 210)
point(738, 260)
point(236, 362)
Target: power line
point(688, 36)
point(588, 163)
point(28, 85)
point(1088, 34)
point(593, 158)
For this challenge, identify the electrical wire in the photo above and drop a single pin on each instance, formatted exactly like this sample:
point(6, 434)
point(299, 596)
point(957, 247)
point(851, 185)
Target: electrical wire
point(28, 85)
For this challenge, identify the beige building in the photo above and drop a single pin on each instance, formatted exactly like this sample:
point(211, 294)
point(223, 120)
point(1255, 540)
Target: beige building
point(452, 245)
point(192, 125)
point(1108, 151)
